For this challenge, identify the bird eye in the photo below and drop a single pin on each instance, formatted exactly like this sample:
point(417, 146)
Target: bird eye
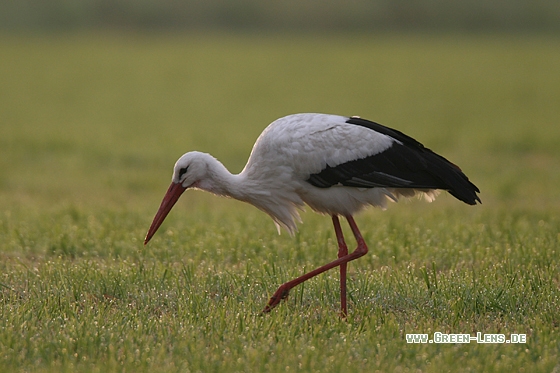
point(183, 171)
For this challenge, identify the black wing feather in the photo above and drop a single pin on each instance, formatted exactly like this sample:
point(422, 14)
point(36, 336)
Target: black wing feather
point(405, 165)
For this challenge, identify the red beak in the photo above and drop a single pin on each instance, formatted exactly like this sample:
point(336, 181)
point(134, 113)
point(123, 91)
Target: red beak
point(169, 200)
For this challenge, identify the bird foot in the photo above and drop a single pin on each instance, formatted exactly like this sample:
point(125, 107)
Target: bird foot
point(279, 295)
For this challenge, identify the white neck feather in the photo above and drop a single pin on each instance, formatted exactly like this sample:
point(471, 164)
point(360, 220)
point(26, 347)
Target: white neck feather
point(216, 179)
point(279, 204)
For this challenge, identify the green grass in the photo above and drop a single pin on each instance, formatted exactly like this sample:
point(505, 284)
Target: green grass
point(90, 126)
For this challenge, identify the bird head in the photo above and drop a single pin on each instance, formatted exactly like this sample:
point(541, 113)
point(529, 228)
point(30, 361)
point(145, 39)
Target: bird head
point(191, 168)
point(187, 173)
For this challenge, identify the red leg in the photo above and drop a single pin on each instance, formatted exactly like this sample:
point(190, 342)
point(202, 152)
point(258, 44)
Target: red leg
point(360, 251)
point(342, 252)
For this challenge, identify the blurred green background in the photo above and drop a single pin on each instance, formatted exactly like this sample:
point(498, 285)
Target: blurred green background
point(99, 98)
point(293, 15)
point(100, 114)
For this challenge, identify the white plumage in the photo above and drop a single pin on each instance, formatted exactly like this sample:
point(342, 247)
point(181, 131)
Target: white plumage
point(337, 165)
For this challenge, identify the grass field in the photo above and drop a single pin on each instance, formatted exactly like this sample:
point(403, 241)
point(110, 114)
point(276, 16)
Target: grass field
point(90, 126)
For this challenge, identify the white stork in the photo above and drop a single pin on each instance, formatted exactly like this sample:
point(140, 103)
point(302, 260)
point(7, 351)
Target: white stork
point(337, 165)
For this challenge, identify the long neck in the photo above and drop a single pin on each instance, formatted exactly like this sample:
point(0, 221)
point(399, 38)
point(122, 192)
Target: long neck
point(222, 182)
point(243, 186)
point(280, 204)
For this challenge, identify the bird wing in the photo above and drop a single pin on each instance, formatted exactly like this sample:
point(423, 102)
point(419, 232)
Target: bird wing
point(299, 145)
point(404, 163)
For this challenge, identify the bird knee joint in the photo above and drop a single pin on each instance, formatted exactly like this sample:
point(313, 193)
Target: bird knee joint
point(362, 249)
